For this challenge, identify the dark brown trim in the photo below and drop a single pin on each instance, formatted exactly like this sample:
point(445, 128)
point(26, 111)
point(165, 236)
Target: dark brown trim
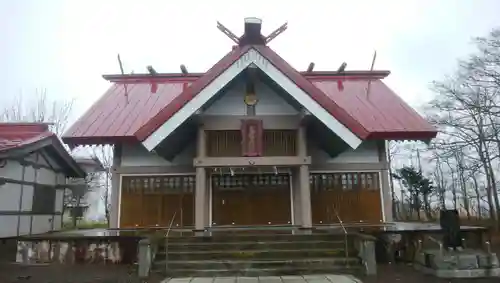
point(183, 169)
point(74, 169)
point(21, 152)
point(382, 155)
point(269, 122)
point(354, 167)
point(27, 213)
point(154, 169)
point(77, 170)
point(21, 201)
point(46, 158)
point(130, 78)
point(62, 208)
point(30, 183)
point(158, 77)
point(35, 177)
point(25, 162)
point(55, 198)
point(251, 161)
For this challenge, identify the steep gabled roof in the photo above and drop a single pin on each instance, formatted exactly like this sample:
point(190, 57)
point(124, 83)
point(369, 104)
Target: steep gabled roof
point(380, 115)
point(20, 139)
point(382, 112)
point(189, 93)
point(205, 88)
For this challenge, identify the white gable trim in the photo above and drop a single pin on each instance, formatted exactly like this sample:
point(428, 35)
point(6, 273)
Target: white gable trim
point(252, 56)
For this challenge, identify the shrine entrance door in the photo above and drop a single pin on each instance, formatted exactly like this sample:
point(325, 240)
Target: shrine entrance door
point(352, 197)
point(251, 199)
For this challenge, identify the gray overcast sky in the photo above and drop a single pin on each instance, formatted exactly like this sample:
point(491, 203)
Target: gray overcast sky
point(65, 45)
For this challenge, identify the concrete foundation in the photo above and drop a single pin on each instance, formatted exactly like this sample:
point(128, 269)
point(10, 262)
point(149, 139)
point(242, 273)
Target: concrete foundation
point(458, 264)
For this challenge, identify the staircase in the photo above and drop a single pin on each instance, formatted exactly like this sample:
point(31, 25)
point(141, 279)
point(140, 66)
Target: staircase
point(257, 255)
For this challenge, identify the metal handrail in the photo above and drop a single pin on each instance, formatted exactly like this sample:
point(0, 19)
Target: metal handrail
point(170, 225)
point(345, 236)
point(166, 237)
point(340, 221)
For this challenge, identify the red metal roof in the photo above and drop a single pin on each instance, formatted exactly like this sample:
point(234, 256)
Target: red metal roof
point(381, 112)
point(111, 119)
point(381, 115)
point(320, 97)
point(14, 135)
point(187, 94)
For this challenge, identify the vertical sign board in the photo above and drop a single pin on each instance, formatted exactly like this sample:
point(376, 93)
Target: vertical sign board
point(252, 135)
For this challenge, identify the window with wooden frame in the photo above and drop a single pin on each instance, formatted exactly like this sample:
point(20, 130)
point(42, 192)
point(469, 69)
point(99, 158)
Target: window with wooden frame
point(229, 143)
point(44, 199)
point(158, 184)
point(345, 181)
point(280, 143)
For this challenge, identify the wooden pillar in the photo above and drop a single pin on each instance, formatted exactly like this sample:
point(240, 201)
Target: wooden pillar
point(386, 192)
point(297, 214)
point(201, 205)
point(115, 188)
point(304, 189)
point(305, 197)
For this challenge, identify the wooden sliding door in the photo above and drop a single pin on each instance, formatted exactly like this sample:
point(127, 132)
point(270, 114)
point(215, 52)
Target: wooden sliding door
point(156, 201)
point(350, 196)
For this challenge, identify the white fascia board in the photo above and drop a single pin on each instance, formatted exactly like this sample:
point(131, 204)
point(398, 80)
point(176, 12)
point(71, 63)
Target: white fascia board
point(250, 57)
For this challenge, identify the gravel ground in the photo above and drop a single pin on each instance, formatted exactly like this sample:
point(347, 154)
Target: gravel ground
point(117, 274)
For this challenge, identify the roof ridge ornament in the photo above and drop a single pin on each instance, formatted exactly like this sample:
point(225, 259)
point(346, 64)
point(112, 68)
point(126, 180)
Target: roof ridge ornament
point(123, 73)
point(371, 70)
point(252, 34)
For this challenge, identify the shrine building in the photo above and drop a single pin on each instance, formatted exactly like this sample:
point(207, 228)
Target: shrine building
point(250, 142)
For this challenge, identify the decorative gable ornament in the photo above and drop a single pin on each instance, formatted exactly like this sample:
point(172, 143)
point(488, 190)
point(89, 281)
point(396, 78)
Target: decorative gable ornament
point(251, 99)
point(252, 52)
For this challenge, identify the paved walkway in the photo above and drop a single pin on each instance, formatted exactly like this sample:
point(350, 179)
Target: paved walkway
point(268, 279)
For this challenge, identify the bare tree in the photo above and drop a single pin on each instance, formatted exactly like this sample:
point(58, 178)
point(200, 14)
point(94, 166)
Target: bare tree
point(105, 154)
point(74, 197)
point(393, 150)
point(466, 112)
point(39, 109)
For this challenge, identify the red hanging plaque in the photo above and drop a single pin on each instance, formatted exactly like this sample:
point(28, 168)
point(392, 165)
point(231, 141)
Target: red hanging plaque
point(251, 132)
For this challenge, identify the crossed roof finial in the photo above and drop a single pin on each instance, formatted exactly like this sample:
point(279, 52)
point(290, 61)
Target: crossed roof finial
point(252, 34)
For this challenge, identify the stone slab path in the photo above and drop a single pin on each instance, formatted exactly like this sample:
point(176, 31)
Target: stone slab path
point(268, 279)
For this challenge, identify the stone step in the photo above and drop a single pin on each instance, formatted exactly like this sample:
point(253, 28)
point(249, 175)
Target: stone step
point(254, 272)
point(252, 245)
point(302, 264)
point(256, 254)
